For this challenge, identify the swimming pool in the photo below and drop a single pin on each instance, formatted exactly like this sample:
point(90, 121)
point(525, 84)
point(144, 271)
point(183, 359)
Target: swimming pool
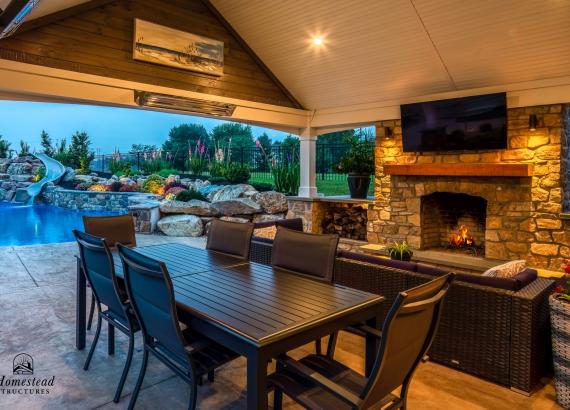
point(35, 224)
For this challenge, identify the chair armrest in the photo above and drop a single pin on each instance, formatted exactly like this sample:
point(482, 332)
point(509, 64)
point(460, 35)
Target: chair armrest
point(342, 393)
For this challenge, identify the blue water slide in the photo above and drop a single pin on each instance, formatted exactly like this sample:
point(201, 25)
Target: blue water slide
point(54, 172)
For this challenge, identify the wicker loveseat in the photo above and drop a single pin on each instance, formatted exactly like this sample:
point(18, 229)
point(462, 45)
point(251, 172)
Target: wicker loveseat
point(497, 331)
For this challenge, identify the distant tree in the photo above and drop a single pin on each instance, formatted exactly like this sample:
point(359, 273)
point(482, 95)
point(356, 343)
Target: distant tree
point(79, 154)
point(339, 137)
point(265, 142)
point(4, 148)
point(46, 144)
point(61, 147)
point(24, 149)
point(233, 134)
point(143, 148)
point(290, 141)
point(181, 138)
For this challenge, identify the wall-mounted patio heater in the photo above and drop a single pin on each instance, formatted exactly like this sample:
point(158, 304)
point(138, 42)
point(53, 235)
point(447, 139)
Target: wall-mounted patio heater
point(14, 15)
point(189, 105)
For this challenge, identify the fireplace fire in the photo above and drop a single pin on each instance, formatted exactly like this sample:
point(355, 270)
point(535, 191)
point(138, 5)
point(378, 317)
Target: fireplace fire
point(461, 238)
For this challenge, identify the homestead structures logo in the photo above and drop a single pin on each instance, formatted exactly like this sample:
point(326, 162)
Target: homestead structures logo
point(23, 381)
point(23, 364)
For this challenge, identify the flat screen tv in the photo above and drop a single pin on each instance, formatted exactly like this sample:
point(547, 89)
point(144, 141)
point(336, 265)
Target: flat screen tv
point(458, 124)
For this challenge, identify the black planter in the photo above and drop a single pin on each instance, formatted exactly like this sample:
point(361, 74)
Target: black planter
point(358, 185)
point(406, 256)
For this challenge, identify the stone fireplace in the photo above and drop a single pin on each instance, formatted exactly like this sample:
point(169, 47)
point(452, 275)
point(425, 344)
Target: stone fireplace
point(454, 222)
point(512, 215)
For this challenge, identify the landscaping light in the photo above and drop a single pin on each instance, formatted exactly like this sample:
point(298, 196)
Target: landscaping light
point(318, 41)
point(532, 122)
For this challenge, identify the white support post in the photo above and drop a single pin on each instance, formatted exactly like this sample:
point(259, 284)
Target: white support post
point(308, 187)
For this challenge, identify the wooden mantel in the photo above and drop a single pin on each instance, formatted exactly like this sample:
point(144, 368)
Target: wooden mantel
point(461, 170)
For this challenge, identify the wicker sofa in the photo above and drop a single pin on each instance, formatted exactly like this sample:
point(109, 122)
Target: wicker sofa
point(497, 331)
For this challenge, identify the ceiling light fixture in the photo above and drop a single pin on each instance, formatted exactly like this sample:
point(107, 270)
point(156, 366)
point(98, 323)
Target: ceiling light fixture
point(318, 41)
point(190, 105)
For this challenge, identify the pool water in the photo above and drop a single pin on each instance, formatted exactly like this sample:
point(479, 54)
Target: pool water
point(35, 224)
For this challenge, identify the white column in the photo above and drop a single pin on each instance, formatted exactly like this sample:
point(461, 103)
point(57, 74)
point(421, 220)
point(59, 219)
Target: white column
point(308, 186)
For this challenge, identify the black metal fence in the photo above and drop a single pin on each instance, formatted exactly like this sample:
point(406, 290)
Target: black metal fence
point(258, 159)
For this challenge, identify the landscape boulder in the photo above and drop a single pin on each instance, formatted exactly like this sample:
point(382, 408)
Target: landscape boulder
point(181, 225)
point(272, 202)
point(234, 219)
point(228, 192)
point(192, 207)
point(238, 206)
point(268, 217)
point(19, 168)
point(69, 175)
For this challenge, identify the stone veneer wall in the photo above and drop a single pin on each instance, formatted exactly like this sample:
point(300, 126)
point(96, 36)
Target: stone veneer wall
point(523, 215)
point(88, 201)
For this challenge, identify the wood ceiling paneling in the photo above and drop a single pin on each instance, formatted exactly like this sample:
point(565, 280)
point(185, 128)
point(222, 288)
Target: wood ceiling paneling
point(99, 41)
point(379, 50)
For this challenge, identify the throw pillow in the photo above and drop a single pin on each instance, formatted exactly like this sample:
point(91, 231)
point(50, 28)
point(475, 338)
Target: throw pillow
point(506, 270)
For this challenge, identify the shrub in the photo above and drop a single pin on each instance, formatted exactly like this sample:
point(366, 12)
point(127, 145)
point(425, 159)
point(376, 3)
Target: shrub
point(197, 165)
point(217, 169)
point(98, 188)
point(118, 165)
point(40, 173)
point(174, 190)
point(236, 173)
point(168, 171)
point(154, 184)
point(262, 186)
point(152, 166)
point(359, 159)
point(287, 177)
point(190, 194)
point(218, 181)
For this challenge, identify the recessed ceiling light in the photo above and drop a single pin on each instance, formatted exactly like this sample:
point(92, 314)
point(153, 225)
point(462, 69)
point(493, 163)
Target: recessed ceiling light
point(318, 41)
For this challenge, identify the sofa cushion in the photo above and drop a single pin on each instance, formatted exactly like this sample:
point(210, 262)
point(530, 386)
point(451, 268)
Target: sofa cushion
point(363, 257)
point(506, 270)
point(515, 283)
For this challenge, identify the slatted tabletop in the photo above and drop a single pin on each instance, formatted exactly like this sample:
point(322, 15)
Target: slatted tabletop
point(183, 259)
point(265, 304)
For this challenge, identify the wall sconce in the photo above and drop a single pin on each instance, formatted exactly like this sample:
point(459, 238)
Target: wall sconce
point(388, 133)
point(532, 122)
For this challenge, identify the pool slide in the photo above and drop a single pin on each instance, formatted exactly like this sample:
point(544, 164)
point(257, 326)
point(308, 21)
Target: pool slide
point(54, 171)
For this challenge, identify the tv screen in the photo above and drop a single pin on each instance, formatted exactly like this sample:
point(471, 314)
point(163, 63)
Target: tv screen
point(458, 124)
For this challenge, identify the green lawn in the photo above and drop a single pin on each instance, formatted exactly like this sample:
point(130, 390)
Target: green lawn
point(328, 187)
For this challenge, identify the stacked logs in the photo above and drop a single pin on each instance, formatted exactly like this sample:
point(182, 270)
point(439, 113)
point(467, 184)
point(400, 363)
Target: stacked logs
point(347, 222)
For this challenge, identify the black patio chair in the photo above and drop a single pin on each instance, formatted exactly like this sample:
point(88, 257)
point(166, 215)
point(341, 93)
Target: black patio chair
point(97, 263)
point(231, 238)
point(320, 382)
point(115, 229)
point(187, 353)
point(308, 254)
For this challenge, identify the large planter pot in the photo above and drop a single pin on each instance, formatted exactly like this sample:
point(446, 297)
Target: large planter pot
point(560, 324)
point(358, 185)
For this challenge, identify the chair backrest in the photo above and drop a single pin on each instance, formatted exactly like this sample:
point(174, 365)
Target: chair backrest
point(306, 253)
point(97, 263)
point(407, 333)
point(295, 224)
point(232, 238)
point(115, 229)
point(152, 296)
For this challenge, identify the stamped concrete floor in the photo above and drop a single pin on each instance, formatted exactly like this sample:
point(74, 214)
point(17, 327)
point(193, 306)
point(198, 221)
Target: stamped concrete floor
point(37, 317)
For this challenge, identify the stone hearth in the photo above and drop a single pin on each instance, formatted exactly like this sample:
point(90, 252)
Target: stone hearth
point(524, 215)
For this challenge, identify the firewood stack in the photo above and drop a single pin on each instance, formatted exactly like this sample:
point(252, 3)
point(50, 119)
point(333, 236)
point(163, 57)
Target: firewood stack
point(349, 222)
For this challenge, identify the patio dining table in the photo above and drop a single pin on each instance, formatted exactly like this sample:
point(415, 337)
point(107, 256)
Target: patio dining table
point(256, 310)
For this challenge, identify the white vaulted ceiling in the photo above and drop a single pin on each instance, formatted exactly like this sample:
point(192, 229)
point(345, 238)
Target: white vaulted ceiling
point(379, 50)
